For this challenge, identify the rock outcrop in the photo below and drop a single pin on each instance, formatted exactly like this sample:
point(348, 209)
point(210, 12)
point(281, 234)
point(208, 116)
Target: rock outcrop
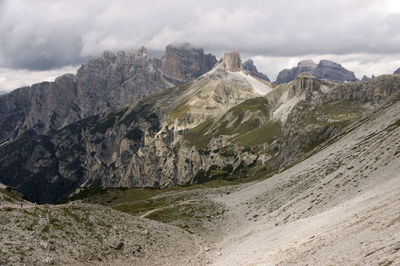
point(326, 69)
point(397, 71)
point(185, 63)
point(304, 84)
point(252, 69)
point(232, 61)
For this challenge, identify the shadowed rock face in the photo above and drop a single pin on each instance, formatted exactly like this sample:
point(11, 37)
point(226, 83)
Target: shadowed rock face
point(104, 83)
point(250, 67)
point(185, 63)
point(397, 71)
point(324, 70)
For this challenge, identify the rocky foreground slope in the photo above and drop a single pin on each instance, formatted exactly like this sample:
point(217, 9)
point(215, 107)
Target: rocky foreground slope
point(225, 124)
point(340, 206)
point(81, 234)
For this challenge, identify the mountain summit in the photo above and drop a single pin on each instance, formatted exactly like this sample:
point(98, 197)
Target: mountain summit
point(183, 63)
point(232, 61)
point(326, 69)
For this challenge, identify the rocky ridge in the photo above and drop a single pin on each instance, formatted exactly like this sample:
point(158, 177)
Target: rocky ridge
point(397, 71)
point(366, 78)
point(326, 69)
point(104, 83)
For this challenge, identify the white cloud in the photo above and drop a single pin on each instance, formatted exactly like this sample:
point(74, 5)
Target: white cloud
point(49, 34)
point(11, 79)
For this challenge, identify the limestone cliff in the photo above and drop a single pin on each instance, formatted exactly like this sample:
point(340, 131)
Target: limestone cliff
point(232, 61)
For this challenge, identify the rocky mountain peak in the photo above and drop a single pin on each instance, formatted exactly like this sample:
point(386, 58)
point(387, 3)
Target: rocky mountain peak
point(184, 63)
point(122, 54)
point(366, 78)
point(108, 56)
point(325, 69)
point(330, 64)
point(141, 52)
point(232, 61)
point(250, 67)
point(397, 71)
point(307, 63)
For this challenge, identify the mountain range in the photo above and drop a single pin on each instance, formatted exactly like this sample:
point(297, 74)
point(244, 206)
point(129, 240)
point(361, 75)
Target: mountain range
point(228, 122)
point(190, 160)
point(325, 69)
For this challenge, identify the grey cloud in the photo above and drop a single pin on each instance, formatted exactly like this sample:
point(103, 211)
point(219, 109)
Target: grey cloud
point(45, 34)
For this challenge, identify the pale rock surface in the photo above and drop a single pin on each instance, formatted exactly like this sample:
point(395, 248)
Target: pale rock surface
point(232, 61)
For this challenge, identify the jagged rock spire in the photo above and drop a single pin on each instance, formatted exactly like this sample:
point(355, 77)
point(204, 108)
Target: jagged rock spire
point(108, 55)
point(141, 52)
point(232, 61)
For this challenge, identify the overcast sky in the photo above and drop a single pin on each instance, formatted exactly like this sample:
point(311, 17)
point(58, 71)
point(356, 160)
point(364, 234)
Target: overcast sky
point(41, 39)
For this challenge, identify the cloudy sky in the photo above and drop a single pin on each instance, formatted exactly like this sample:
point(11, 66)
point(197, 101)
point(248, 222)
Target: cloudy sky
point(41, 39)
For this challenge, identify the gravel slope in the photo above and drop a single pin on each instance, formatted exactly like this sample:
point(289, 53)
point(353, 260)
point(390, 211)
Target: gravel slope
point(339, 207)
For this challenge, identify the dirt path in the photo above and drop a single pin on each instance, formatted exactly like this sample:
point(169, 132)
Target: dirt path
point(144, 215)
